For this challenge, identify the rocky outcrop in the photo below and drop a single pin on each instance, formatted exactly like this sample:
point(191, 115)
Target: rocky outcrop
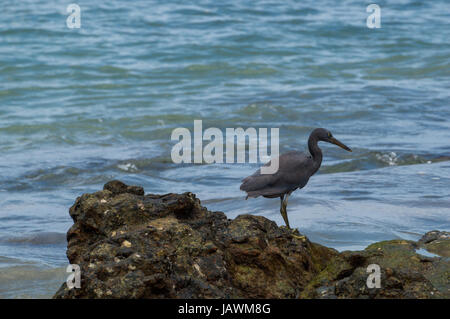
point(131, 245)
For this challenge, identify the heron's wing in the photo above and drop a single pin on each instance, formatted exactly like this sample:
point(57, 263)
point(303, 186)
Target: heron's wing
point(292, 173)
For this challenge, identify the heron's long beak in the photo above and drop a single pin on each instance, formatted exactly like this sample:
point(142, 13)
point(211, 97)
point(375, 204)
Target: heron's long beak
point(340, 144)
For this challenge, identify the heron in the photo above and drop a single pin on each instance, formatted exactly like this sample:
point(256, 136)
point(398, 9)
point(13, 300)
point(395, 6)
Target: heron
point(294, 170)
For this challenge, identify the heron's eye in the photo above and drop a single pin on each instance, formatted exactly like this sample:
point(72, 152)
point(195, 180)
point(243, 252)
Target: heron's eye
point(329, 134)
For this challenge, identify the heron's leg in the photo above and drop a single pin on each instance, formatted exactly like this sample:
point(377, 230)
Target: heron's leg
point(281, 207)
point(285, 217)
point(283, 211)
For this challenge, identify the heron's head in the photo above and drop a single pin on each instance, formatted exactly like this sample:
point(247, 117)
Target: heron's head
point(325, 135)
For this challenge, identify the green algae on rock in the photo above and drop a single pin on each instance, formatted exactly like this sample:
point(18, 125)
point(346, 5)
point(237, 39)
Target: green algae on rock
point(404, 274)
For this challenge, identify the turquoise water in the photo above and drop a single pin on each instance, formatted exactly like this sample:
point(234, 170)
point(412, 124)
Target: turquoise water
point(79, 107)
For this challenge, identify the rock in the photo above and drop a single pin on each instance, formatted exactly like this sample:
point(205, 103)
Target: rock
point(404, 274)
point(117, 187)
point(131, 245)
point(437, 242)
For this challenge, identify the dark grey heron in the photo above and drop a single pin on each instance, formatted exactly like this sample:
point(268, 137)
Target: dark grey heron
point(294, 170)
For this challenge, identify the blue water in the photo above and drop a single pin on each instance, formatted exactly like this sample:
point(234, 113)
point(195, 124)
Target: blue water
point(79, 107)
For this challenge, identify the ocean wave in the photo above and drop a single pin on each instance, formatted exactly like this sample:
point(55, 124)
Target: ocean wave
point(44, 238)
point(30, 281)
point(376, 159)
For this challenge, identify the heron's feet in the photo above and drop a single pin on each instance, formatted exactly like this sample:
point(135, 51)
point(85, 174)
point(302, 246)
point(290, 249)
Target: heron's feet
point(295, 233)
point(299, 237)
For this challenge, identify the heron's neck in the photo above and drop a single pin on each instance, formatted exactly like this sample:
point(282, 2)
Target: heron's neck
point(315, 151)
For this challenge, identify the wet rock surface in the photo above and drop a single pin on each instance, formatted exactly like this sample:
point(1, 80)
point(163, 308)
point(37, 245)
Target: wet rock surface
point(436, 242)
point(403, 274)
point(131, 245)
